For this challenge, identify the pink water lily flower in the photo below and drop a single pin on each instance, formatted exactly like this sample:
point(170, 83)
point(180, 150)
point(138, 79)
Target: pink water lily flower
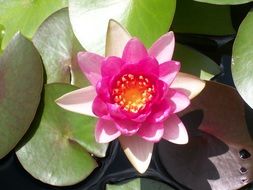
point(135, 93)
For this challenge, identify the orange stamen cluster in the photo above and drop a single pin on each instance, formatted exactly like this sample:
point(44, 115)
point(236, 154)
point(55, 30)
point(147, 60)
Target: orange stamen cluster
point(133, 92)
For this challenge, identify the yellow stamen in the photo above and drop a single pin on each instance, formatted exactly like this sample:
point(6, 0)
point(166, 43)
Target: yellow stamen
point(133, 92)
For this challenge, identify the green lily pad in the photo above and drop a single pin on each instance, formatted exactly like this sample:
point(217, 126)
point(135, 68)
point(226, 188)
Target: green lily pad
point(26, 15)
point(242, 62)
point(58, 150)
point(146, 19)
point(140, 184)
point(21, 80)
point(225, 2)
point(201, 18)
point(58, 47)
point(195, 63)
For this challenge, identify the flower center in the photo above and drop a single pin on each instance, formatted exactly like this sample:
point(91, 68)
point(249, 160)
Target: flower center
point(133, 92)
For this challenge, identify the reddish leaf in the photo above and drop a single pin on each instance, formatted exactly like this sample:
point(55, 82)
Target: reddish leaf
point(218, 132)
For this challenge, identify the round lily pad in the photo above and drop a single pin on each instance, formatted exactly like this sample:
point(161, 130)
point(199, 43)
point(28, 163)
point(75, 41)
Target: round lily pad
point(21, 80)
point(58, 149)
point(58, 47)
point(242, 62)
point(146, 19)
point(26, 15)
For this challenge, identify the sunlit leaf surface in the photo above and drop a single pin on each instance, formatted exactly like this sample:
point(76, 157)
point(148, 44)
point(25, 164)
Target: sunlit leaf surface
point(25, 15)
point(146, 19)
point(57, 149)
point(242, 62)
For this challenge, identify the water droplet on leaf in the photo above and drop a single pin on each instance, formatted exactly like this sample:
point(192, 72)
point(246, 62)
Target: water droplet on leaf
point(243, 170)
point(244, 154)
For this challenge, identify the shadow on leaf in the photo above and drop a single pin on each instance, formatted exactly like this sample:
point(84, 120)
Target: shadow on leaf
point(186, 163)
point(218, 155)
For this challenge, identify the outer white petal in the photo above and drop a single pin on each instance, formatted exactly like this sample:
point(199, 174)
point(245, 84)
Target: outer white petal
point(188, 84)
point(79, 101)
point(106, 131)
point(116, 39)
point(138, 151)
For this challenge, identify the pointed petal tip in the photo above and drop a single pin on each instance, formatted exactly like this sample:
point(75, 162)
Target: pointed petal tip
point(171, 32)
point(163, 48)
point(60, 101)
point(90, 65)
point(106, 131)
point(141, 170)
point(116, 38)
point(79, 101)
point(175, 131)
point(183, 141)
point(188, 84)
point(134, 51)
point(113, 22)
point(80, 53)
point(138, 151)
point(139, 165)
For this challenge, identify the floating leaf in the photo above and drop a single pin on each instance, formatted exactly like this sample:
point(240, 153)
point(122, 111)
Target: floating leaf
point(201, 18)
point(146, 19)
point(139, 184)
point(57, 152)
point(25, 15)
point(58, 47)
point(242, 62)
point(225, 2)
point(218, 138)
point(21, 80)
point(195, 63)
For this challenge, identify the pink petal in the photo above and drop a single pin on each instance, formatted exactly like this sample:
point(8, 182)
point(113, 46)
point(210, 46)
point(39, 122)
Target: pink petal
point(151, 131)
point(160, 112)
point(161, 91)
point(189, 84)
point(79, 101)
point(180, 100)
point(138, 151)
point(147, 66)
point(106, 131)
point(163, 48)
point(174, 130)
point(134, 51)
point(99, 108)
point(127, 127)
point(111, 66)
point(102, 89)
point(90, 65)
point(116, 39)
point(142, 117)
point(116, 112)
point(168, 71)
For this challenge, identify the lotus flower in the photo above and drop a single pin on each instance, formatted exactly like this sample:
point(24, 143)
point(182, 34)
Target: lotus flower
point(135, 93)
